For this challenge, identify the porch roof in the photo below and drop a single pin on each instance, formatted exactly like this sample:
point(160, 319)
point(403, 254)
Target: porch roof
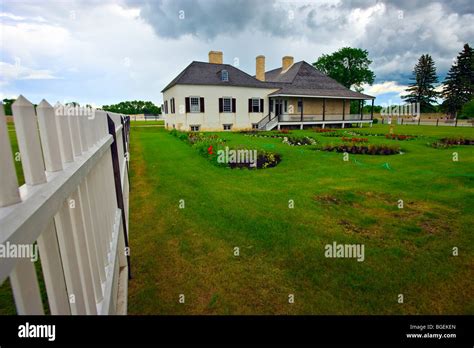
point(319, 93)
point(303, 79)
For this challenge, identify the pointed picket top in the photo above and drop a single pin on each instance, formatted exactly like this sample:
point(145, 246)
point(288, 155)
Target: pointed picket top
point(21, 101)
point(44, 104)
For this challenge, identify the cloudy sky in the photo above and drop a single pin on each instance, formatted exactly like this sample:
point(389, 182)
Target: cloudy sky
point(103, 52)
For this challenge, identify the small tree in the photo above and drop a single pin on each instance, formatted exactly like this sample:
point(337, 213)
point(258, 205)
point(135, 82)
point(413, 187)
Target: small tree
point(459, 83)
point(422, 90)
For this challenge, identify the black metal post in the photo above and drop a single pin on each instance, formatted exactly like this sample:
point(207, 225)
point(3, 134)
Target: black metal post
point(343, 109)
point(125, 146)
point(118, 186)
point(301, 101)
point(324, 109)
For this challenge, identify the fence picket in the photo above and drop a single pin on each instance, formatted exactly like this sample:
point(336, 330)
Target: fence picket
point(28, 141)
point(26, 289)
point(9, 193)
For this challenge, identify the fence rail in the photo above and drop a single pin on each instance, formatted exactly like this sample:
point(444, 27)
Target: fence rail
point(76, 170)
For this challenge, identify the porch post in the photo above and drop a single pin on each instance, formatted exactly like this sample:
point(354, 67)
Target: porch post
point(360, 108)
point(372, 111)
point(324, 109)
point(301, 100)
point(343, 109)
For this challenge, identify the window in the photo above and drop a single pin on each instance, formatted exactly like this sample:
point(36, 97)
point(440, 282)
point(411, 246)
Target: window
point(285, 106)
point(300, 105)
point(255, 105)
point(224, 75)
point(271, 105)
point(172, 105)
point(227, 104)
point(254, 125)
point(195, 127)
point(195, 105)
point(227, 126)
point(166, 107)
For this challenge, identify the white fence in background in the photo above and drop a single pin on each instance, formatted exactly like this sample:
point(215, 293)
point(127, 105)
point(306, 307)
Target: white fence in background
point(73, 206)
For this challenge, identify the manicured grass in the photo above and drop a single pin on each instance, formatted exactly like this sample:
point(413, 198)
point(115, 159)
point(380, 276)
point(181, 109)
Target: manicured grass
point(408, 251)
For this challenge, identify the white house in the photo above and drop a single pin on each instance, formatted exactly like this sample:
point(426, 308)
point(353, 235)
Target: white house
point(215, 96)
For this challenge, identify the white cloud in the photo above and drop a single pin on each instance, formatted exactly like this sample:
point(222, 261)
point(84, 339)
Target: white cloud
point(19, 72)
point(384, 87)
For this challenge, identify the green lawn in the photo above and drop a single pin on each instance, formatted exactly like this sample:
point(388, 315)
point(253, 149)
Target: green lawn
point(408, 251)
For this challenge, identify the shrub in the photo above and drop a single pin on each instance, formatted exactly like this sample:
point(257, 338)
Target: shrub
point(265, 159)
point(363, 149)
point(375, 121)
point(447, 142)
point(293, 140)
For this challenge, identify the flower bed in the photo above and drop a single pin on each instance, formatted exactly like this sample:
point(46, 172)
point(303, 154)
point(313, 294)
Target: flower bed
point(323, 130)
point(398, 137)
point(298, 141)
point(212, 147)
point(363, 149)
point(355, 140)
point(453, 141)
point(457, 141)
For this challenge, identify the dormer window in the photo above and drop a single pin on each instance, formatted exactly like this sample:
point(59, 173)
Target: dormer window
point(224, 75)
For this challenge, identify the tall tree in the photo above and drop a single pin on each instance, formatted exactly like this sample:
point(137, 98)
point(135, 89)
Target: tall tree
point(348, 66)
point(422, 90)
point(459, 83)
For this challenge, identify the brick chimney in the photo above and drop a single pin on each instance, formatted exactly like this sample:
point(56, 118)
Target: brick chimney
point(286, 63)
point(215, 57)
point(260, 68)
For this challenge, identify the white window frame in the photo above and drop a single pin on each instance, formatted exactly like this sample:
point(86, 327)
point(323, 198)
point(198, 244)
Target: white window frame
point(229, 125)
point(258, 104)
point(254, 125)
point(198, 126)
point(224, 106)
point(195, 108)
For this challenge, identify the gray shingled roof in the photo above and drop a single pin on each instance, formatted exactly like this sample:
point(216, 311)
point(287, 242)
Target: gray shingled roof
point(201, 73)
point(304, 79)
point(300, 79)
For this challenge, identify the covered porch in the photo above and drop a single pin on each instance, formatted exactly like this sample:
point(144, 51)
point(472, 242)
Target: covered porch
point(292, 110)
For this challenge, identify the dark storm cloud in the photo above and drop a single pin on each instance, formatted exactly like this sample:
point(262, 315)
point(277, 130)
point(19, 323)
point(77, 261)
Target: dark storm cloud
point(395, 33)
point(208, 18)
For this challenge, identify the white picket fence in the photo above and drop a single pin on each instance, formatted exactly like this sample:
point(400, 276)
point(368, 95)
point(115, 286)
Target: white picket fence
point(74, 205)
